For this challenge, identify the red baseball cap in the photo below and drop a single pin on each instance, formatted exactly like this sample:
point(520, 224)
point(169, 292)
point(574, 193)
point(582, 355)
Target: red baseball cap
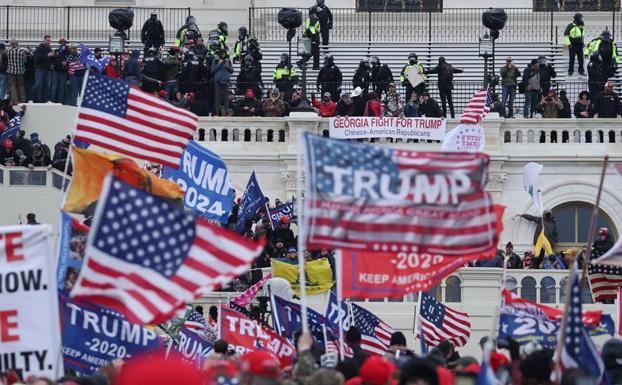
point(376, 371)
point(249, 93)
point(354, 381)
point(156, 370)
point(220, 368)
point(261, 363)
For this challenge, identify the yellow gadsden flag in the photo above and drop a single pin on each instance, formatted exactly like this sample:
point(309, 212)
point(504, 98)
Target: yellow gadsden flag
point(91, 167)
point(543, 243)
point(319, 276)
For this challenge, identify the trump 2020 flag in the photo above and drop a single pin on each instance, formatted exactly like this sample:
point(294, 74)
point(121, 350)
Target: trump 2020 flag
point(252, 200)
point(123, 119)
point(146, 258)
point(87, 58)
point(12, 129)
point(373, 198)
point(530, 182)
point(465, 138)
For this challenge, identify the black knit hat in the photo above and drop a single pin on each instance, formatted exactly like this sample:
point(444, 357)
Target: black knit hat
point(537, 366)
point(353, 335)
point(398, 338)
point(417, 368)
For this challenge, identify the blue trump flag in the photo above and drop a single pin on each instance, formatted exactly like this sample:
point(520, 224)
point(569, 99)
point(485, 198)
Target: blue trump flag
point(205, 180)
point(252, 200)
point(287, 320)
point(12, 128)
point(87, 58)
point(192, 347)
point(333, 313)
point(285, 209)
point(72, 246)
point(93, 336)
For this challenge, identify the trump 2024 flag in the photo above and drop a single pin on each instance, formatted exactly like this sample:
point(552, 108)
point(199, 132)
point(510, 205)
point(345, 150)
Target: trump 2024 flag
point(372, 198)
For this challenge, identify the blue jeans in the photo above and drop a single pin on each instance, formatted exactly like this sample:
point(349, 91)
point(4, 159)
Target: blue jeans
point(75, 84)
point(41, 88)
point(59, 84)
point(4, 82)
point(531, 99)
point(508, 91)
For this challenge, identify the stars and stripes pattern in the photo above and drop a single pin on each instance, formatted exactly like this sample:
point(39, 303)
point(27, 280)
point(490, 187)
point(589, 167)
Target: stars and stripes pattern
point(605, 280)
point(123, 119)
point(11, 130)
point(578, 350)
point(147, 258)
point(375, 334)
point(477, 108)
point(195, 321)
point(440, 322)
point(395, 211)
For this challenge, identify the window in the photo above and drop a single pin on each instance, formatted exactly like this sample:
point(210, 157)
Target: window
point(511, 284)
point(453, 292)
point(547, 290)
point(573, 220)
point(528, 289)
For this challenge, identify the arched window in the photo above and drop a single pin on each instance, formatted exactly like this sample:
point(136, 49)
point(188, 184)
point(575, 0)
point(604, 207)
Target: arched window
point(281, 135)
point(576, 136)
point(519, 136)
point(530, 136)
point(601, 136)
point(212, 135)
point(236, 135)
point(224, 135)
point(511, 284)
point(547, 290)
point(258, 134)
point(453, 292)
point(542, 137)
point(588, 136)
point(553, 136)
point(612, 136)
point(507, 137)
point(270, 135)
point(586, 295)
point(201, 134)
point(247, 135)
point(573, 220)
point(565, 137)
point(528, 289)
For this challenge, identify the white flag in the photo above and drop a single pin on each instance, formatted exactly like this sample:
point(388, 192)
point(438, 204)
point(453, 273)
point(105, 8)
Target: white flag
point(530, 183)
point(464, 138)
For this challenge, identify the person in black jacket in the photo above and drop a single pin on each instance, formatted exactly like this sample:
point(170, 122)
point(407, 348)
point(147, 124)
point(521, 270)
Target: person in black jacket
point(429, 107)
point(607, 103)
point(547, 72)
point(326, 21)
point(550, 226)
point(565, 111)
point(43, 71)
point(152, 34)
point(358, 102)
point(344, 106)
point(329, 78)
point(445, 73)
point(248, 106)
point(603, 242)
point(249, 78)
point(59, 73)
point(381, 76)
point(362, 78)
point(596, 78)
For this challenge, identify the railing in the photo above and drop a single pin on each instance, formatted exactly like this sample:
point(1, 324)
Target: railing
point(36, 177)
point(450, 25)
point(31, 23)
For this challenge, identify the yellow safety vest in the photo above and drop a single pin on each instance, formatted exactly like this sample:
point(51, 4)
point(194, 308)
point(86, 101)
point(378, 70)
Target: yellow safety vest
point(595, 45)
point(577, 31)
point(315, 28)
point(280, 72)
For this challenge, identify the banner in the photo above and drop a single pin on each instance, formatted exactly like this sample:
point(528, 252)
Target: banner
point(390, 274)
point(252, 200)
point(206, 183)
point(333, 313)
point(192, 347)
point(372, 198)
point(90, 169)
point(465, 138)
point(245, 335)
point(29, 324)
point(93, 336)
point(287, 208)
point(72, 245)
point(352, 127)
point(318, 273)
point(287, 319)
point(531, 171)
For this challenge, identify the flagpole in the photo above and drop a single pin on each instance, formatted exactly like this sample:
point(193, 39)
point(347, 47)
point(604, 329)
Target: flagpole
point(562, 327)
point(339, 268)
point(590, 232)
point(269, 216)
point(416, 320)
point(301, 239)
point(617, 325)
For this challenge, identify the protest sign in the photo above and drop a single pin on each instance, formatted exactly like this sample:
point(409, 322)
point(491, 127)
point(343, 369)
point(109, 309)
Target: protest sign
point(245, 335)
point(374, 198)
point(29, 324)
point(287, 319)
point(192, 347)
point(414, 76)
point(352, 127)
point(72, 245)
point(206, 183)
point(392, 274)
point(465, 138)
point(285, 209)
point(318, 273)
point(252, 200)
point(93, 336)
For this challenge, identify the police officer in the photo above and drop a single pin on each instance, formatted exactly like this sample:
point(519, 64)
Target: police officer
point(152, 34)
point(595, 77)
point(215, 43)
point(192, 70)
point(241, 45)
point(381, 76)
point(223, 32)
point(326, 21)
point(412, 63)
point(153, 67)
point(574, 37)
point(329, 78)
point(255, 51)
point(608, 51)
point(249, 78)
point(285, 77)
point(188, 31)
point(362, 77)
point(312, 32)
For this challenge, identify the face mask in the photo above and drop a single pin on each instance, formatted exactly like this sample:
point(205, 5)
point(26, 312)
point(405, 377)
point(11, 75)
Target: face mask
point(412, 61)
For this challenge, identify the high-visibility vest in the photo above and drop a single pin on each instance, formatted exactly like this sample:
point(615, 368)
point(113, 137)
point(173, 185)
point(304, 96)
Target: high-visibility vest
point(576, 32)
point(315, 28)
point(283, 71)
point(408, 67)
point(595, 45)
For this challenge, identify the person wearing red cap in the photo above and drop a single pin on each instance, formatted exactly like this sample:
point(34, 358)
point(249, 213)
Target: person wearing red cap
point(607, 103)
point(259, 368)
point(326, 108)
point(284, 233)
point(7, 153)
point(603, 242)
point(157, 370)
point(376, 371)
point(248, 106)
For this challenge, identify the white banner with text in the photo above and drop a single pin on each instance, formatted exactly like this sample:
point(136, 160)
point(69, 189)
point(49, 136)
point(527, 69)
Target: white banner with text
point(387, 127)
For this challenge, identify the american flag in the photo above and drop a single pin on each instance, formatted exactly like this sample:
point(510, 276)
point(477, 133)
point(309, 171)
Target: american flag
point(147, 258)
point(577, 349)
point(604, 281)
point(440, 322)
point(10, 132)
point(130, 122)
point(478, 107)
point(375, 198)
point(195, 321)
point(375, 333)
